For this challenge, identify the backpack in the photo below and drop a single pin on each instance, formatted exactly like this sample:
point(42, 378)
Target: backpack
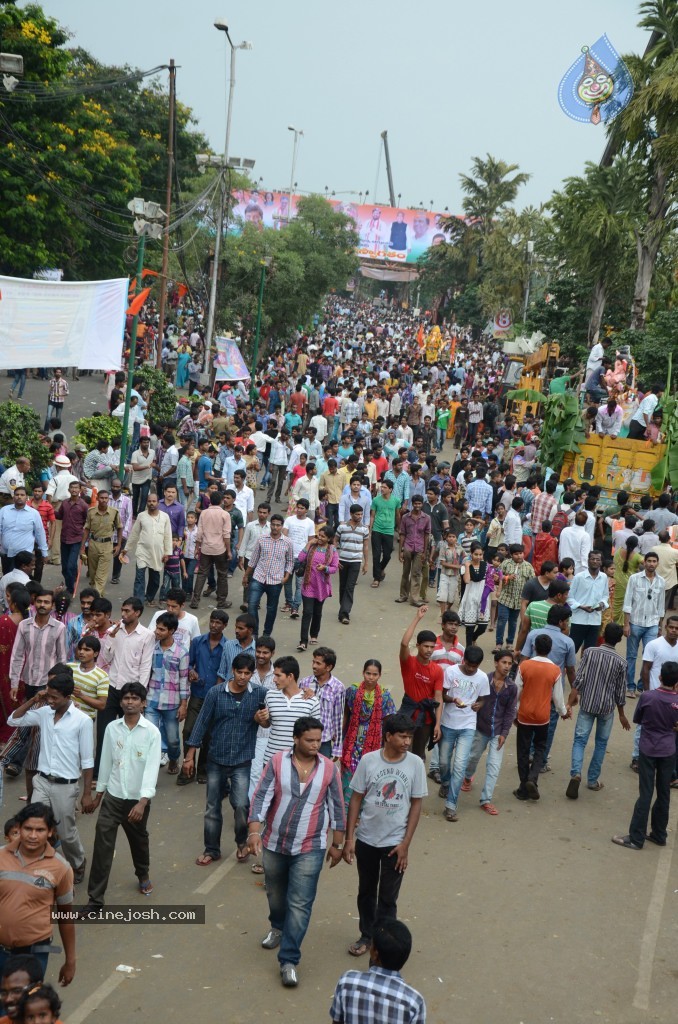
point(558, 523)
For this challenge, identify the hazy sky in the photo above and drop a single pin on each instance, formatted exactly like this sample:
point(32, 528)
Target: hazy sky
point(448, 79)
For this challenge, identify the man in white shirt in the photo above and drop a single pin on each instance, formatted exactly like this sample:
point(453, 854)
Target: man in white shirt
point(574, 542)
point(319, 424)
point(24, 566)
point(277, 463)
point(595, 359)
point(643, 415)
point(299, 528)
point(13, 477)
point(643, 609)
point(609, 419)
point(130, 762)
point(189, 627)
point(663, 648)
point(244, 496)
point(513, 527)
point(66, 753)
point(667, 568)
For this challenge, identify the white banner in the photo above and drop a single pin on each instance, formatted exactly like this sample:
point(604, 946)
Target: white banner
point(57, 323)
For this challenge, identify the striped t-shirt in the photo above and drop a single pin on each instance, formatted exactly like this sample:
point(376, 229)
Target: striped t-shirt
point(284, 712)
point(93, 683)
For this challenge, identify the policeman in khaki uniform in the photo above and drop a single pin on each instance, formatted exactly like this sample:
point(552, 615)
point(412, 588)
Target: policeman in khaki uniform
point(100, 526)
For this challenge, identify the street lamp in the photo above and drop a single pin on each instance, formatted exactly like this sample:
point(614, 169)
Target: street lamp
point(297, 133)
point(222, 26)
point(531, 250)
point(266, 262)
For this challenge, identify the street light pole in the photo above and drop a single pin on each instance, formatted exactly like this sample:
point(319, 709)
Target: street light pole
point(266, 262)
point(530, 250)
point(297, 133)
point(221, 26)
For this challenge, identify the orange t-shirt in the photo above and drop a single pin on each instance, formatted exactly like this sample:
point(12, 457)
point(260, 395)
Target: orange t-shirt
point(539, 677)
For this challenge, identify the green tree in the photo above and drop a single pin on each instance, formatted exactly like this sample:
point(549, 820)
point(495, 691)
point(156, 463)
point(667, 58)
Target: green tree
point(19, 435)
point(648, 128)
point(489, 189)
point(593, 220)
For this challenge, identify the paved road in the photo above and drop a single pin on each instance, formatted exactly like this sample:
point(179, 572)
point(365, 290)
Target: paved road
point(532, 916)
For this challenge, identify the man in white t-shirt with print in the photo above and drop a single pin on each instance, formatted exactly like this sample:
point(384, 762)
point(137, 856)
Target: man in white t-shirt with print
point(189, 627)
point(299, 528)
point(386, 794)
point(447, 651)
point(464, 686)
point(663, 648)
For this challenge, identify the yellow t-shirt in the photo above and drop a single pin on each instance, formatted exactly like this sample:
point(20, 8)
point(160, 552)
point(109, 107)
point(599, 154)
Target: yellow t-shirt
point(93, 683)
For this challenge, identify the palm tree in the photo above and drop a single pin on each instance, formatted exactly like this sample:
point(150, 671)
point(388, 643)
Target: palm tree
point(648, 128)
point(489, 189)
point(594, 218)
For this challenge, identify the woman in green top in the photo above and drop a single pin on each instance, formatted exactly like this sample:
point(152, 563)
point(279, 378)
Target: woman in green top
point(626, 561)
point(383, 517)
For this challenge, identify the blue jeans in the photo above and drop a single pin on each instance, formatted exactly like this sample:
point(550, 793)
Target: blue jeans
point(19, 381)
point(143, 592)
point(254, 596)
point(553, 723)
point(168, 718)
point(293, 592)
point(459, 743)
point(291, 884)
point(582, 731)
point(636, 742)
point(506, 616)
point(638, 634)
point(187, 584)
point(232, 781)
point(495, 756)
point(441, 434)
point(170, 581)
point(69, 564)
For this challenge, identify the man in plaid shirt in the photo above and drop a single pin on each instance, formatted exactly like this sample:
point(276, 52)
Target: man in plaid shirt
point(168, 687)
point(516, 574)
point(58, 392)
point(544, 505)
point(380, 994)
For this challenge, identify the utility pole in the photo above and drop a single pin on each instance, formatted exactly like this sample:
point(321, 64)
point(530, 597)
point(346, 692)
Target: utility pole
point(168, 204)
point(132, 358)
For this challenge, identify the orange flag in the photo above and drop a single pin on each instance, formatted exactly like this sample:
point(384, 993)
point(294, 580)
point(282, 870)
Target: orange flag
point(138, 302)
point(420, 336)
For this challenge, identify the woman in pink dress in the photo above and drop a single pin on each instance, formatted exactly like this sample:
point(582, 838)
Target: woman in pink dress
point(322, 561)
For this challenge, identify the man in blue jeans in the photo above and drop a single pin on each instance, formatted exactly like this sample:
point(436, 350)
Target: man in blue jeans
point(269, 568)
point(600, 685)
point(298, 798)
point(227, 715)
point(464, 686)
point(643, 609)
point(168, 688)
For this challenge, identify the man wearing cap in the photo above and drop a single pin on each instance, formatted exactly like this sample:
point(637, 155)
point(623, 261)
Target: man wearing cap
point(13, 477)
point(58, 491)
point(77, 457)
point(100, 527)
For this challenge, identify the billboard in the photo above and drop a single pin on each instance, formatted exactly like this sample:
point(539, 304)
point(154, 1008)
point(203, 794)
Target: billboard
point(385, 232)
point(56, 323)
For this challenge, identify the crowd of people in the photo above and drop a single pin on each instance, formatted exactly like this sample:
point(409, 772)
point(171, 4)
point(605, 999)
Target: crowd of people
point(353, 450)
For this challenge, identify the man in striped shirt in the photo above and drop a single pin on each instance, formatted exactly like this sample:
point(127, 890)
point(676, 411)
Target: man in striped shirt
point(270, 566)
point(352, 539)
point(298, 798)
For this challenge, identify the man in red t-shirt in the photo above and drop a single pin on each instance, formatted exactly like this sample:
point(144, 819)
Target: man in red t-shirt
point(330, 412)
point(422, 681)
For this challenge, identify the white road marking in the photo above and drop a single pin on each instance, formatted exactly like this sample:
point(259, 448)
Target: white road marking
point(215, 877)
point(94, 1001)
point(655, 908)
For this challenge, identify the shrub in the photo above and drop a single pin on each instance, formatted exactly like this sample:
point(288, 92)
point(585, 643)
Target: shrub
point(163, 400)
point(91, 429)
point(19, 427)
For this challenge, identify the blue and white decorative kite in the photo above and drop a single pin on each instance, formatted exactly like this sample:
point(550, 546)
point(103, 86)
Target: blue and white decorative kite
point(597, 86)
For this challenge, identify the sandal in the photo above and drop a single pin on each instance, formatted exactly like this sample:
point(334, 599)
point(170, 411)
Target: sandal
point(146, 888)
point(375, 583)
point(358, 948)
point(205, 859)
point(313, 640)
point(257, 869)
point(242, 855)
point(173, 768)
point(301, 647)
